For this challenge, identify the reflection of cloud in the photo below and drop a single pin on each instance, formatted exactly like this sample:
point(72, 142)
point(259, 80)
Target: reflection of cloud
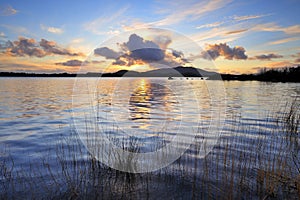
point(216, 50)
point(7, 10)
point(150, 98)
point(52, 29)
point(29, 47)
point(266, 56)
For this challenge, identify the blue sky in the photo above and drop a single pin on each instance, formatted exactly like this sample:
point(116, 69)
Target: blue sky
point(240, 36)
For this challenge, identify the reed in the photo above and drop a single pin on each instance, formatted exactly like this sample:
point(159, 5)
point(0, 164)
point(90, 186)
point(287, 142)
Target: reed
point(247, 163)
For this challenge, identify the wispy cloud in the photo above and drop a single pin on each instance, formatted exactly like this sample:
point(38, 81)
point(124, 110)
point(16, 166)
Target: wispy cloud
point(269, 56)
point(248, 17)
point(285, 40)
point(220, 34)
point(100, 25)
point(2, 35)
point(236, 31)
point(292, 29)
point(211, 25)
point(7, 10)
point(71, 63)
point(273, 27)
point(50, 29)
point(189, 11)
point(15, 29)
point(77, 40)
point(280, 64)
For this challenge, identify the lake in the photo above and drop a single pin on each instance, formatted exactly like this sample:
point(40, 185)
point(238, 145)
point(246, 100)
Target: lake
point(154, 138)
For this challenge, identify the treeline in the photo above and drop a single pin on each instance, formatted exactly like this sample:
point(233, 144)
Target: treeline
point(285, 74)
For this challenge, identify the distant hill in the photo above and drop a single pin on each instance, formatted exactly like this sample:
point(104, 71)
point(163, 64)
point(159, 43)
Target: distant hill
point(178, 72)
point(286, 74)
point(165, 72)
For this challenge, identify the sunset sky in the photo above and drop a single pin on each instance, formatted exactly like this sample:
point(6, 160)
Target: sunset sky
point(58, 36)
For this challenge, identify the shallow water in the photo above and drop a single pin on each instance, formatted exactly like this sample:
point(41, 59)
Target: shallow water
point(35, 113)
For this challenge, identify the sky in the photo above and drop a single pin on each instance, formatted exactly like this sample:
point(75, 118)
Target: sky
point(228, 36)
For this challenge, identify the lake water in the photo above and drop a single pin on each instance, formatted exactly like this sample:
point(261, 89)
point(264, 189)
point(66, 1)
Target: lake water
point(135, 115)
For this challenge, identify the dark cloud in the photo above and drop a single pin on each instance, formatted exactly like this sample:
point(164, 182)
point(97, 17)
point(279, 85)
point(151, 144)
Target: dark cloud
point(145, 50)
point(29, 47)
point(177, 54)
point(26, 47)
point(107, 53)
point(71, 63)
point(137, 50)
point(51, 48)
point(5, 44)
point(236, 32)
point(266, 56)
point(76, 62)
point(297, 56)
point(216, 50)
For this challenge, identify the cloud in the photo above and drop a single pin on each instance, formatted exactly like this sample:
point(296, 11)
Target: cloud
point(143, 49)
point(248, 17)
point(138, 51)
point(77, 40)
point(236, 31)
point(26, 47)
point(5, 44)
point(215, 51)
point(162, 41)
point(7, 10)
point(266, 56)
point(272, 27)
point(51, 48)
point(71, 63)
point(212, 25)
point(107, 53)
point(52, 29)
point(280, 64)
point(2, 35)
point(96, 26)
point(297, 56)
point(15, 29)
point(285, 40)
point(29, 47)
point(189, 10)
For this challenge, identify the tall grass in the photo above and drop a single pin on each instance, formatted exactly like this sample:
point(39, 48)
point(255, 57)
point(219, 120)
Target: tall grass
point(258, 161)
